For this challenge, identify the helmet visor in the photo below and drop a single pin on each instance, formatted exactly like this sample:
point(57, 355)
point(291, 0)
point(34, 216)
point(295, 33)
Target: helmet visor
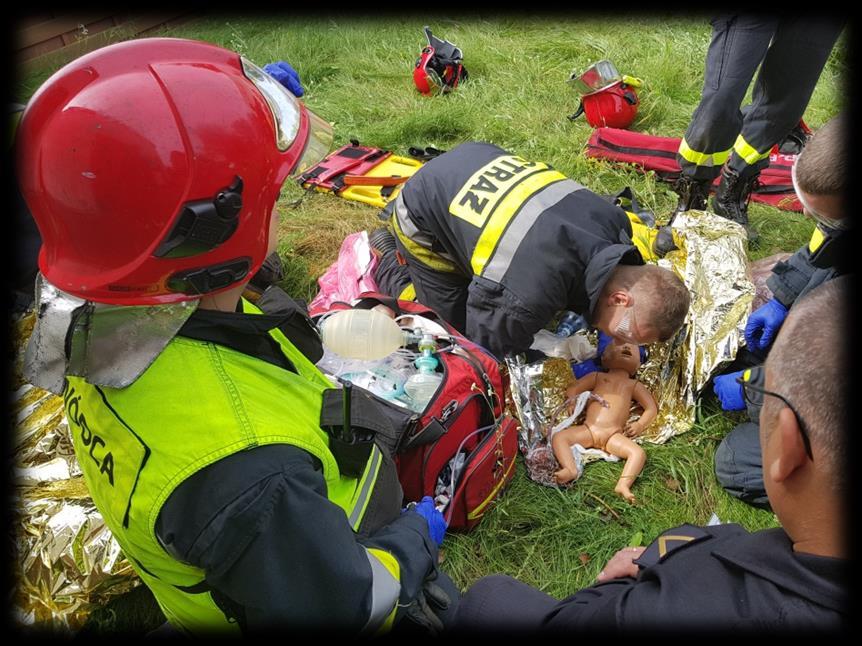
point(318, 144)
point(597, 77)
point(283, 105)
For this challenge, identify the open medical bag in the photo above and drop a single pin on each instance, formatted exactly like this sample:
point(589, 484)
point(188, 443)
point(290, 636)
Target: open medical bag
point(462, 449)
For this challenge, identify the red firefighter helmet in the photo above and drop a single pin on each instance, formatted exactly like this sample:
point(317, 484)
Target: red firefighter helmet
point(152, 168)
point(608, 98)
point(438, 69)
point(613, 107)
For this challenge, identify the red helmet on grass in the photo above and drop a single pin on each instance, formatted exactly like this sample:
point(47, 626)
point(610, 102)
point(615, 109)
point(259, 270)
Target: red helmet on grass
point(152, 168)
point(438, 70)
point(608, 98)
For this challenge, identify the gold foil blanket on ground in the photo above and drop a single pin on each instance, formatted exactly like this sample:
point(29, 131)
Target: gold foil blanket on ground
point(712, 262)
point(67, 560)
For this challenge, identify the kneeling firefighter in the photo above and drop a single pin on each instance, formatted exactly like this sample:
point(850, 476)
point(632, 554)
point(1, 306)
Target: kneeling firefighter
point(220, 457)
point(497, 245)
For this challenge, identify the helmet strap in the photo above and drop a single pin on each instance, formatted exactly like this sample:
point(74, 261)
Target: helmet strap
point(203, 224)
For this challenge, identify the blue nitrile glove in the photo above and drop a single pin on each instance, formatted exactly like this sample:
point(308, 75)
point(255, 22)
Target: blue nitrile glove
point(764, 323)
point(282, 72)
point(584, 368)
point(729, 392)
point(436, 522)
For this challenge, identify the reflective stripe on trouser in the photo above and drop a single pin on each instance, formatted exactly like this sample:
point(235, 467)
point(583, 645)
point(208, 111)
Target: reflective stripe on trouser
point(408, 293)
point(385, 590)
point(788, 75)
point(737, 46)
point(416, 242)
point(700, 158)
point(747, 152)
point(791, 52)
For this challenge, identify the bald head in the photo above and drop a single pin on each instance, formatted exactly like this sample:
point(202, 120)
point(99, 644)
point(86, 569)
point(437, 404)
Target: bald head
point(808, 365)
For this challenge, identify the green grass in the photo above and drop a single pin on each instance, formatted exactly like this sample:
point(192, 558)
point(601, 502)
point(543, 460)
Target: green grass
point(357, 74)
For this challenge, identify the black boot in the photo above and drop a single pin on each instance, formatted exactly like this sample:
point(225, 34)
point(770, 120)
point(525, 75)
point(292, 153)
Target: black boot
point(381, 240)
point(731, 199)
point(692, 196)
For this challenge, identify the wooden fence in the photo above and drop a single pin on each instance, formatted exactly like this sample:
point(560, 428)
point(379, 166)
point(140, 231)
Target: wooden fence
point(61, 37)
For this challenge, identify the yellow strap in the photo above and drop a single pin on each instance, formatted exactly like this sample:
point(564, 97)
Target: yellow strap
point(502, 215)
point(817, 239)
point(420, 253)
point(480, 509)
point(408, 293)
point(634, 81)
point(702, 159)
point(746, 375)
point(391, 564)
point(643, 237)
point(748, 152)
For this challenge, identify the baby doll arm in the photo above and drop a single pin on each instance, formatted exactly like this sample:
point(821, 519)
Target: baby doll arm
point(643, 397)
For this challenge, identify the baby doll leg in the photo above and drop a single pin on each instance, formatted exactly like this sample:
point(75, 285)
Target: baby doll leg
point(562, 443)
point(635, 458)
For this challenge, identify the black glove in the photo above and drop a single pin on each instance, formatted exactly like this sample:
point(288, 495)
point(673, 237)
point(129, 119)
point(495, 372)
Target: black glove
point(423, 611)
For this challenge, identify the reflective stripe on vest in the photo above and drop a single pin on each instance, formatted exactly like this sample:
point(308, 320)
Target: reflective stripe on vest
point(702, 159)
point(417, 243)
point(748, 152)
point(133, 456)
point(513, 219)
point(504, 198)
point(817, 239)
point(385, 590)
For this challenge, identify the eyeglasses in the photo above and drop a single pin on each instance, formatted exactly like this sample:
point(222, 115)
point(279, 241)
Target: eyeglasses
point(833, 223)
point(626, 327)
point(747, 390)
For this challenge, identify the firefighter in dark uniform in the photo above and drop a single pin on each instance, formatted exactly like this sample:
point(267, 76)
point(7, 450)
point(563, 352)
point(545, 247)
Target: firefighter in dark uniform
point(820, 180)
point(245, 489)
point(497, 245)
point(791, 51)
point(722, 577)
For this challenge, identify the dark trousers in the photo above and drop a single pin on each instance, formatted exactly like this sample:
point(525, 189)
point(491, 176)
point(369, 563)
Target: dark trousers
point(444, 292)
point(739, 465)
point(791, 51)
point(391, 277)
point(499, 604)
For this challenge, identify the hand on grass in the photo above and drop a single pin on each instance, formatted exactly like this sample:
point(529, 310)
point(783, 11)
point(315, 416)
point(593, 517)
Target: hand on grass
point(621, 565)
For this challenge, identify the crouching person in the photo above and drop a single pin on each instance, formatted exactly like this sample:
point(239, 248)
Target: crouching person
point(794, 577)
point(213, 447)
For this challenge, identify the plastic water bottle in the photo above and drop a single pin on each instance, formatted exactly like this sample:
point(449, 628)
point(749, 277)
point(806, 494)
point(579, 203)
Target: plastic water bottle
point(570, 323)
point(361, 334)
point(421, 386)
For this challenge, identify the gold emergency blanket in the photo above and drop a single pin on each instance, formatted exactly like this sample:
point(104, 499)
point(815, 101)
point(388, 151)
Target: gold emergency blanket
point(712, 262)
point(67, 560)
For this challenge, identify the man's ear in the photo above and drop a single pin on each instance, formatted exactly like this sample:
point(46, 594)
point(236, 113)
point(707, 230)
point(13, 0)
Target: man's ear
point(620, 297)
point(787, 453)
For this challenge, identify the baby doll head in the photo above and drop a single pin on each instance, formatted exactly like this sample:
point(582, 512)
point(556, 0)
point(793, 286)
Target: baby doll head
point(620, 356)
